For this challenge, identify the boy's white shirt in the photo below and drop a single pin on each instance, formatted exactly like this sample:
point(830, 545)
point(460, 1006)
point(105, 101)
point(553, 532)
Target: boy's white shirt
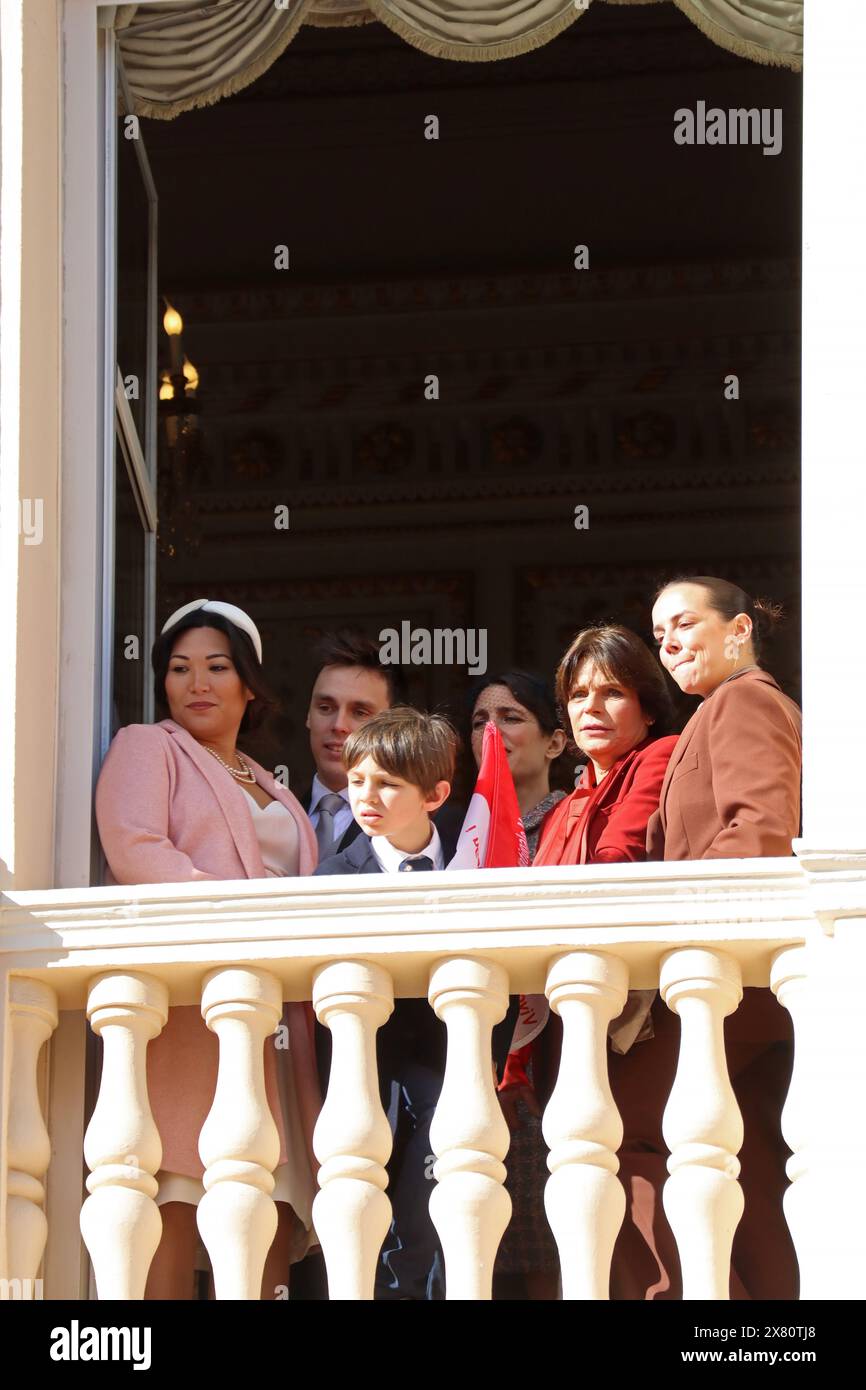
point(390, 858)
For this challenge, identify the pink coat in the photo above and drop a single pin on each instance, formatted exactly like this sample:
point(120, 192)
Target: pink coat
point(168, 813)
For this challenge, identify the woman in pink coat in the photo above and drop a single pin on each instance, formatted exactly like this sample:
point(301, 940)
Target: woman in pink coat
point(176, 801)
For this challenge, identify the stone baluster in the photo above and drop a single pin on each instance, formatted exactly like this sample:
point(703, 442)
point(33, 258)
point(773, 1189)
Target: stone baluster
point(584, 1200)
point(816, 1201)
point(239, 1144)
point(469, 1206)
point(702, 1124)
point(823, 1120)
point(33, 1018)
point(353, 1138)
point(120, 1221)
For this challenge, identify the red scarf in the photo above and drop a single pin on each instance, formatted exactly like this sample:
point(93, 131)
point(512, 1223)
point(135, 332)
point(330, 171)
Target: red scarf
point(564, 833)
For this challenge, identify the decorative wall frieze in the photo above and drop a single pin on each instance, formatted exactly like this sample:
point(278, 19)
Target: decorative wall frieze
point(457, 293)
point(552, 602)
point(324, 500)
point(277, 590)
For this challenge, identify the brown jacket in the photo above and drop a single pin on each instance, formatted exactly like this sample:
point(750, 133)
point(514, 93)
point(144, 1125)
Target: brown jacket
point(732, 786)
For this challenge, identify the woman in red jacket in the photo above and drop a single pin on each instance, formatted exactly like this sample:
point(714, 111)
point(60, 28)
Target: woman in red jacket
point(621, 715)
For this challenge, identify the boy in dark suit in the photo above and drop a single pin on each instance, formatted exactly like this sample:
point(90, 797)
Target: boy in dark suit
point(400, 766)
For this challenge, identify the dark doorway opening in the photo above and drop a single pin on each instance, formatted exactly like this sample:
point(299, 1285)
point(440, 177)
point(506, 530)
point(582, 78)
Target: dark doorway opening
point(558, 387)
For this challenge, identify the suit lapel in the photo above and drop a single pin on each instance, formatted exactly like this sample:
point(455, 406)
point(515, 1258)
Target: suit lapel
point(349, 835)
point(680, 749)
point(361, 857)
point(231, 798)
point(268, 782)
point(682, 745)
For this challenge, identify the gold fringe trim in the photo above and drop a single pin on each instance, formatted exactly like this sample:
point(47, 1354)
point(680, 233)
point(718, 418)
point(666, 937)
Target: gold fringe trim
point(443, 48)
point(166, 111)
point(340, 21)
point(744, 48)
point(473, 52)
point(524, 43)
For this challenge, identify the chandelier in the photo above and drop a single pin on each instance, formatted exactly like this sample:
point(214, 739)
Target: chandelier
point(180, 461)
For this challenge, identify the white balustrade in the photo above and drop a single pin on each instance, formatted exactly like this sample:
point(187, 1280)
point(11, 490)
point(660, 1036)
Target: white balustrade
point(33, 1018)
point(120, 1221)
point(360, 939)
point(809, 1206)
point(469, 1206)
point(352, 1139)
point(239, 1143)
point(702, 1125)
point(584, 1200)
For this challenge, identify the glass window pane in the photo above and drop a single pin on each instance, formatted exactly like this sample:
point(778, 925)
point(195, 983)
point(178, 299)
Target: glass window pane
point(129, 580)
point(133, 214)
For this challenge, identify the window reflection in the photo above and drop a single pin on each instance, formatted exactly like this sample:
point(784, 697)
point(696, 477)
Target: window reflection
point(130, 656)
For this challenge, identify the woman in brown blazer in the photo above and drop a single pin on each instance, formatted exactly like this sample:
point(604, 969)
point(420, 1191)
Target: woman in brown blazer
point(732, 787)
point(731, 791)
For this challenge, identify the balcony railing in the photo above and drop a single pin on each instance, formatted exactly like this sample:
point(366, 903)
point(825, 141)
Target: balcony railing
point(699, 932)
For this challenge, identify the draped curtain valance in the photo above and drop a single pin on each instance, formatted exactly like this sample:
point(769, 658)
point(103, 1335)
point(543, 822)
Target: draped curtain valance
point(178, 56)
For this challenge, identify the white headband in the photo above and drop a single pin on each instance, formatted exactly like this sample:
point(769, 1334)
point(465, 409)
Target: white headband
point(228, 610)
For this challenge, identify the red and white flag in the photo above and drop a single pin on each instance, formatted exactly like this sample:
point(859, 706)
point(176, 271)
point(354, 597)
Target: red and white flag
point(493, 837)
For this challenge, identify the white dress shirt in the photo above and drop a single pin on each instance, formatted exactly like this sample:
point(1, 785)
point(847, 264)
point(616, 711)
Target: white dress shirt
point(391, 858)
point(342, 818)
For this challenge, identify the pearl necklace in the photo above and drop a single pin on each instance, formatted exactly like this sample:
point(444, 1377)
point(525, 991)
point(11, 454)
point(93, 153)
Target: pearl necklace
point(244, 773)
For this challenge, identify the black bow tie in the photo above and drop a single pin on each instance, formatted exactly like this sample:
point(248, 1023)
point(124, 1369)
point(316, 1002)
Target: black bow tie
point(417, 865)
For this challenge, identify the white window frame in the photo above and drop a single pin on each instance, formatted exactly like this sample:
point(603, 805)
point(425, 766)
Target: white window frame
point(89, 415)
point(140, 459)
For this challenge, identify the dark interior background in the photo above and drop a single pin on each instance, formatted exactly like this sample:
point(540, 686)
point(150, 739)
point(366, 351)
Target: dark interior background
point(558, 387)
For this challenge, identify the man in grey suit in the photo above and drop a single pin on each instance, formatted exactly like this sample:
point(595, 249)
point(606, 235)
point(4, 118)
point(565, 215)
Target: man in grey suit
point(351, 686)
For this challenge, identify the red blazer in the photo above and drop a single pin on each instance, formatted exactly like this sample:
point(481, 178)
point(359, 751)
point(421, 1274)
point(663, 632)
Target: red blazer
point(606, 823)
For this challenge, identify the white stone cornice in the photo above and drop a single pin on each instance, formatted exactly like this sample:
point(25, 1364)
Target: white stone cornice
point(836, 883)
point(518, 918)
point(851, 862)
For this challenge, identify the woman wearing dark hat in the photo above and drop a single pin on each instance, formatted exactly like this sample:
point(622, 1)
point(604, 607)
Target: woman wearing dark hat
point(176, 801)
